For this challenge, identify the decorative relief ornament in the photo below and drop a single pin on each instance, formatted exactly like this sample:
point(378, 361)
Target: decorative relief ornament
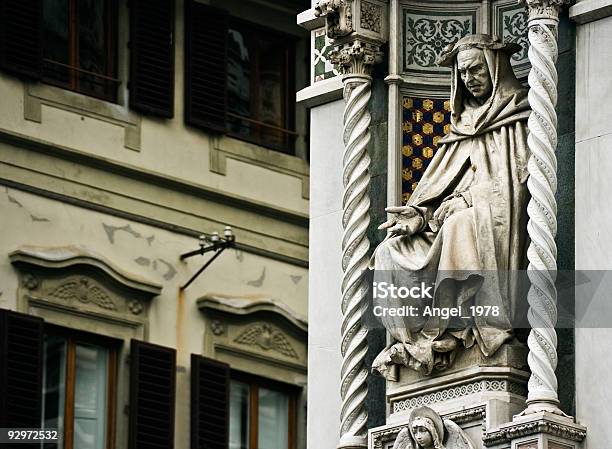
point(371, 17)
point(217, 327)
point(268, 338)
point(544, 9)
point(84, 291)
point(30, 281)
point(135, 306)
point(356, 57)
point(338, 16)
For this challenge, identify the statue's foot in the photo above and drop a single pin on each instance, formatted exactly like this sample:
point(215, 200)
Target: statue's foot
point(447, 343)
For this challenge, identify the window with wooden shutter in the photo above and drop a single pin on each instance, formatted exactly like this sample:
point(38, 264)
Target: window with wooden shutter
point(209, 403)
point(152, 57)
point(205, 66)
point(21, 37)
point(21, 356)
point(80, 46)
point(152, 393)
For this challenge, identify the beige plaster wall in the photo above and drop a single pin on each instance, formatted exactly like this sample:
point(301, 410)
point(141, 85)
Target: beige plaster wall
point(174, 319)
point(168, 146)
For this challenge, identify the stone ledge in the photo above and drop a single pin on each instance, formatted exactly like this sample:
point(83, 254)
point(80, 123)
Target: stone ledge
point(308, 20)
point(321, 92)
point(586, 11)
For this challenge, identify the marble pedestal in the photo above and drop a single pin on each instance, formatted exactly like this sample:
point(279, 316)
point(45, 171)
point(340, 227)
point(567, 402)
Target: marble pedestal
point(477, 393)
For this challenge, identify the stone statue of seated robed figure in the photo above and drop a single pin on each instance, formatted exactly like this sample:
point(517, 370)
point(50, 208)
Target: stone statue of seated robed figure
point(465, 223)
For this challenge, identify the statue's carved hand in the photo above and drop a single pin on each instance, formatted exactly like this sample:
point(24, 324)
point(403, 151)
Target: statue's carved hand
point(406, 220)
point(448, 208)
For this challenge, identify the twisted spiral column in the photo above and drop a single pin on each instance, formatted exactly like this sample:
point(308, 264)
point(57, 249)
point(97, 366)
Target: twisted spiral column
point(355, 246)
point(542, 207)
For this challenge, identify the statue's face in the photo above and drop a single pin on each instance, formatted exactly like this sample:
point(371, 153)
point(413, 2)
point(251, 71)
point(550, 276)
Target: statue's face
point(475, 73)
point(422, 436)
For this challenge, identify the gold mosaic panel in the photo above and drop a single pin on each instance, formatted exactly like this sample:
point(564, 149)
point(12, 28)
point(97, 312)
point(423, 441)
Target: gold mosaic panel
point(425, 121)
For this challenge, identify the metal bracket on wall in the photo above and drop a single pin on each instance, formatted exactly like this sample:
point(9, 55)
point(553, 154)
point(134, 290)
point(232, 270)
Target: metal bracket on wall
point(213, 242)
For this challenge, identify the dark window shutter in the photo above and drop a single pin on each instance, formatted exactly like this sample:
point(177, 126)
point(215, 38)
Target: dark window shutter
point(205, 66)
point(21, 364)
point(152, 57)
point(152, 391)
point(209, 403)
point(21, 37)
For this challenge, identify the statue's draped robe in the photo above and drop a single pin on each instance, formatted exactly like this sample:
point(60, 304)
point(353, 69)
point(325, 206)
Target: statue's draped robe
point(474, 255)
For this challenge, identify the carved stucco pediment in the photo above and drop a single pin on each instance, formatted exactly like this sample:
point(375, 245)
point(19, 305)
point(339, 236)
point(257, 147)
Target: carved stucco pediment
point(76, 280)
point(262, 330)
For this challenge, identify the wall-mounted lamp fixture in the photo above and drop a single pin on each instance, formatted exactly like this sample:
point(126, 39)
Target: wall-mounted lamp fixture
point(213, 242)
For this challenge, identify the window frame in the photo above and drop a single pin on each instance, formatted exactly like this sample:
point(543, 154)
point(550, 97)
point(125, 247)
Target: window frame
point(255, 382)
point(110, 78)
point(74, 337)
point(288, 130)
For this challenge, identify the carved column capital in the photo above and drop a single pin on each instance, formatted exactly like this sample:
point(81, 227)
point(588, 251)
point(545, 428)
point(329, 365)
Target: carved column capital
point(358, 28)
point(544, 9)
point(356, 57)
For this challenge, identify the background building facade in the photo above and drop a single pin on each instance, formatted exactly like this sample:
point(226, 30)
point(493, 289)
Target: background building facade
point(127, 130)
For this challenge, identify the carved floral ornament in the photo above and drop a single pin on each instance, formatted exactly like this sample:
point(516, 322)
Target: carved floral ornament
point(544, 9)
point(356, 57)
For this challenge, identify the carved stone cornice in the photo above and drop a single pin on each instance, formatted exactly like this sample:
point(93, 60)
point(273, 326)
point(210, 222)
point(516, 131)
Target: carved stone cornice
point(356, 57)
point(56, 258)
point(543, 424)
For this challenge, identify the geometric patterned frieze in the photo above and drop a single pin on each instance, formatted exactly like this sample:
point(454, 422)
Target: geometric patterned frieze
point(427, 32)
point(322, 68)
point(424, 122)
point(459, 391)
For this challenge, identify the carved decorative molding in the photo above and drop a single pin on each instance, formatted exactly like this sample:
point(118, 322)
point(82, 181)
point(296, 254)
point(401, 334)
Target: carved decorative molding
point(73, 286)
point(356, 57)
point(53, 258)
point(466, 389)
point(469, 415)
point(268, 338)
point(338, 17)
point(371, 17)
point(85, 291)
point(568, 431)
point(247, 306)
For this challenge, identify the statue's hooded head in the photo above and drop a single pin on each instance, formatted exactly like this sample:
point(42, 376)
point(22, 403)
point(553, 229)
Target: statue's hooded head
point(481, 70)
point(426, 428)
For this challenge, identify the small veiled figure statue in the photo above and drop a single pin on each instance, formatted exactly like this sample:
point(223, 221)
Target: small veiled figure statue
point(427, 430)
point(465, 223)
